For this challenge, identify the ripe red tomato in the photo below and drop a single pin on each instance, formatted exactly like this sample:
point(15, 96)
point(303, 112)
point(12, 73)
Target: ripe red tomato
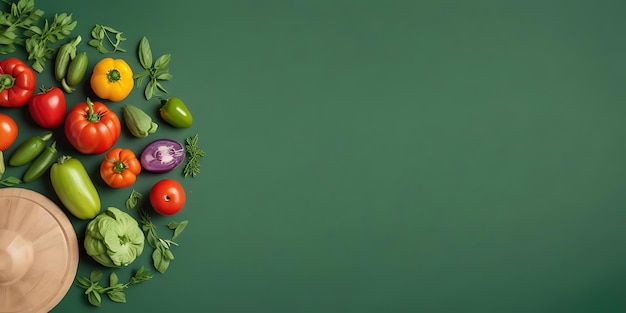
point(167, 196)
point(91, 127)
point(8, 131)
point(48, 108)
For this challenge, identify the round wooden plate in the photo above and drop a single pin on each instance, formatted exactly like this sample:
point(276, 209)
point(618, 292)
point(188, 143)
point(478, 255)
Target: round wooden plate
point(38, 252)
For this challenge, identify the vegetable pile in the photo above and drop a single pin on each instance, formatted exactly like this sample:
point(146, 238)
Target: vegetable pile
point(91, 128)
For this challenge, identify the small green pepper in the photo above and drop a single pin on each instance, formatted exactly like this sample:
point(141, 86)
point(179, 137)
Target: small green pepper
point(29, 150)
point(41, 164)
point(174, 112)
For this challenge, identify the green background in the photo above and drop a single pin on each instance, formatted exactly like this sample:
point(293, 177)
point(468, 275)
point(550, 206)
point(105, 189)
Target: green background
point(381, 156)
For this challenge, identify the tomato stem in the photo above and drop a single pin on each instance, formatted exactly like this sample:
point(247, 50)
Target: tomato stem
point(6, 81)
point(91, 115)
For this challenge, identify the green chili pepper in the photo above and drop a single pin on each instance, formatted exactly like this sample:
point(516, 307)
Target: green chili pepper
point(174, 112)
point(29, 150)
point(41, 164)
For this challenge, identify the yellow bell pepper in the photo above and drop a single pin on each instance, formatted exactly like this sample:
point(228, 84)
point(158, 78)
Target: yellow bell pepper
point(112, 79)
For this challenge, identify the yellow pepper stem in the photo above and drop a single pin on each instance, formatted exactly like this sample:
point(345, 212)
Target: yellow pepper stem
point(114, 75)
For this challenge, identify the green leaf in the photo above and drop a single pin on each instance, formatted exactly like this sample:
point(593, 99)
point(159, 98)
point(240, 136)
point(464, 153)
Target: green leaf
point(94, 43)
point(153, 240)
point(133, 199)
point(160, 87)
point(168, 254)
point(117, 296)
point(35, 29)
point(102, 49)
point(10, 181)
point(94, 298)
point(141, 275)
point(83, 281)
point(162, 62)
point(149, 92)
point(95, 275)
point(164, 76)
point(145, 54)
point(113, 279)
point(160, 262)
point(97, 33)
point(178, 229)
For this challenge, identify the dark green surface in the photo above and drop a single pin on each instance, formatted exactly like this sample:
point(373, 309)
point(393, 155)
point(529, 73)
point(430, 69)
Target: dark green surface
point(385, 156)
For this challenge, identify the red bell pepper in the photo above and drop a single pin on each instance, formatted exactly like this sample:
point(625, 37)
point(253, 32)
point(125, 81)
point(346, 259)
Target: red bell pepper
point(17, 82)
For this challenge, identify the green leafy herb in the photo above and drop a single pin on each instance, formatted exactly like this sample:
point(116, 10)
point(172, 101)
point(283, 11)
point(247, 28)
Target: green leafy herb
point(38, 38)
point(194, 154)
point(157, 72)
point(162, 254)
point(115, 290)
point(22, 15)
point(100, 32)
point(133, 199)
point(10, 181)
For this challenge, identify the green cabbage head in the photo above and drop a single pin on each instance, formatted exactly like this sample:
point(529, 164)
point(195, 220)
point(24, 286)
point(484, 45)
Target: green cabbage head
point(113, 238)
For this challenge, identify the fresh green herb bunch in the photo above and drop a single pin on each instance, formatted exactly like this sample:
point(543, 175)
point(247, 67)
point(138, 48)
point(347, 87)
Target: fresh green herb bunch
point(157, 72)
point(115, 290)
point(23, 16)
point(162, 254)
point(101, 32)
point(194, 153)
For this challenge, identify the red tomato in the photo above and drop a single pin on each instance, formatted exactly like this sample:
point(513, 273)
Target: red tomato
point(167, 196)
point(8, 131)
point(91, 127)
point(48, 108)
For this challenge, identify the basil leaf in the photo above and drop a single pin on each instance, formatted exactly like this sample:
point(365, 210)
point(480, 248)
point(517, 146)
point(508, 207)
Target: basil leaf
point(94, 43)
point(164, 76)
point(95, 275)
point(160, 262)
point(162, 62)
point(10, 181)
point(113, 279)
point(179, 229)
point(145, 54)
point(117, 296)
point(160, 87)
point(168, 254)
point(83, 282)
point(150, 89)
point(94, 298)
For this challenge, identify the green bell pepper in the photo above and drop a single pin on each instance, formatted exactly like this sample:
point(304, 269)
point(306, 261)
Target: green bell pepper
point(175, 113)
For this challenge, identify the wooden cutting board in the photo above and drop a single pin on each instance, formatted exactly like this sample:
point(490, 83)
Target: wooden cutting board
point(38, 252)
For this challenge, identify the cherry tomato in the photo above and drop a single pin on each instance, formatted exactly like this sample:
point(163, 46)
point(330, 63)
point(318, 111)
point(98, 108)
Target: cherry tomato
point(48, 107)
point(167, 196)
point(8, 131)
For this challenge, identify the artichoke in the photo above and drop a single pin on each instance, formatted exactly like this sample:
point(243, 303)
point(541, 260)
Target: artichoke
point(114, 238)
